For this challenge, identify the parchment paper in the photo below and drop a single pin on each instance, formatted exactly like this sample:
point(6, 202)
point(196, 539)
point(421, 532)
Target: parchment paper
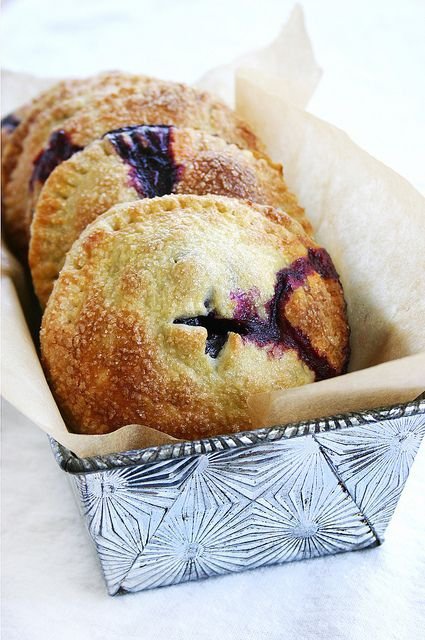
point(369, 218)
point(287, 64)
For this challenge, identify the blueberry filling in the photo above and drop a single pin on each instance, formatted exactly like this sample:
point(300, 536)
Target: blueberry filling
point(10, 122)
point(148, 151)
point(218, 330)
point(275, 330)
point(59, 148)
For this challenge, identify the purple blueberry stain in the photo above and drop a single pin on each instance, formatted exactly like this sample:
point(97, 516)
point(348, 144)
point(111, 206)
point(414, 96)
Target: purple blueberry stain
point(10, 122)
point(59, 148)
point(275, 331)
point(147, 149)
point(246, 303)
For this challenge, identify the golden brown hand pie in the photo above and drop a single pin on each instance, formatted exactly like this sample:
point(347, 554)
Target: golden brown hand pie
point(170, 312)
point(68, 126)
point(59, 102)
point(138, 162)
point(43, 115)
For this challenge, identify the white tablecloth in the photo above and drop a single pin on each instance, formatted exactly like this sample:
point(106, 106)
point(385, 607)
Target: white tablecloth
point(373, 57)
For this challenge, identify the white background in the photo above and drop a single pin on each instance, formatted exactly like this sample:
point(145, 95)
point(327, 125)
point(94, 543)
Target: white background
point(373, 57)
point(372, 53)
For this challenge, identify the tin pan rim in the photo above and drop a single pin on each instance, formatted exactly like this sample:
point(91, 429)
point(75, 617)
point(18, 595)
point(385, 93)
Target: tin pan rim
point(71, 463)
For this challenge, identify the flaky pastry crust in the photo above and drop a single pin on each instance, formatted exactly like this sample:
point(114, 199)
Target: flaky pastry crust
point(9, 124)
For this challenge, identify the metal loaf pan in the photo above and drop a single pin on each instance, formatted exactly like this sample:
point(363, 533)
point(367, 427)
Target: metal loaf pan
point(192, 510)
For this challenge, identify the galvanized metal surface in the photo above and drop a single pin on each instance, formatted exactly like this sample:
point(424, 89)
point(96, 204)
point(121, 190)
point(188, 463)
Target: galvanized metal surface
point(181, 512)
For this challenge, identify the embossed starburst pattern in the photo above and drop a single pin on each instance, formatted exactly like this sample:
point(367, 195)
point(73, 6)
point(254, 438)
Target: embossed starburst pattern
point(200, 515)
point(238, 475)
point(189, 547)
point(306, 525)
point(309, 514)
point(116, 495)
point(373, 460)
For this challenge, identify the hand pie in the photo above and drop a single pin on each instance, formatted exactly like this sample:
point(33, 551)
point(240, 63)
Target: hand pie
point(143, 162)
point(170, 312)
